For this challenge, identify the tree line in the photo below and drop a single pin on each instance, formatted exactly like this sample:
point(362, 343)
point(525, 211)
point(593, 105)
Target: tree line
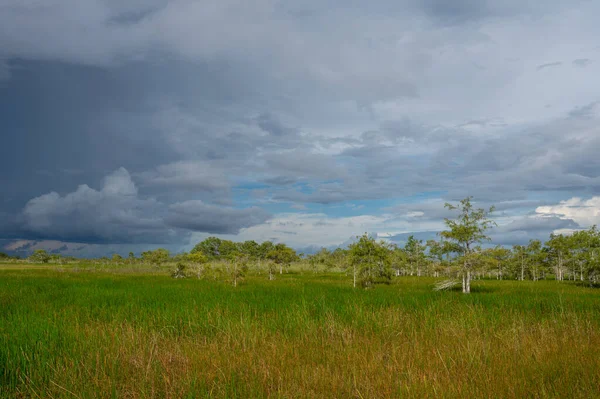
point(459, 255)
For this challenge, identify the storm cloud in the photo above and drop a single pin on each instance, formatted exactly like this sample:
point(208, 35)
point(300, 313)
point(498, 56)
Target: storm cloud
point(116, 214)
point(162, 121)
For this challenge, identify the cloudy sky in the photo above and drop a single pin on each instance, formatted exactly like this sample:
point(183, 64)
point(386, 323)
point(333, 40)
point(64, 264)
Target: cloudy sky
point(138, 124)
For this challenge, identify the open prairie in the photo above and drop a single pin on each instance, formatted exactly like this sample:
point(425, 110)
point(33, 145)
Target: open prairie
point(83, 333)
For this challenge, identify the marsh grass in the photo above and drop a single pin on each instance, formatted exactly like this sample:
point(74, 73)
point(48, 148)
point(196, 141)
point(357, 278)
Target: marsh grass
point(84, 333)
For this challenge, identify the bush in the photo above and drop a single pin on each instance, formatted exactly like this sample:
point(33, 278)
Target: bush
point(180, 271)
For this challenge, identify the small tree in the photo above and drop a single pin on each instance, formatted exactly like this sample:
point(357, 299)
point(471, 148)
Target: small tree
point(40, 256)
point(179, 271)
point(322, 258)
point(436, 256)
point(415, 250)
point(282, 255)
point(499, 257)
point(558, 252)
point(198, 259)
point(398, 258)
point(467, 230)
point(239, 267)
point(370, 262)
point(156, 257)
point(520, 261)
point(116, 258)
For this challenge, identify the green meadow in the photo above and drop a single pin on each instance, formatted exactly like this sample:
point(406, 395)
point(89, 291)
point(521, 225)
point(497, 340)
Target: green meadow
point(84, 333)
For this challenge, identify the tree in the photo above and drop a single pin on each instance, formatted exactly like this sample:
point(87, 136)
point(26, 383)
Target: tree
point(583, 248)
point(156, 257)
point(263, 251)
point(558, 251)
point(239, 267)
point(250, 248)
point(322, 258)
point(40, 256)
point(179, 271)
point(339, 258)
point(370, 262)
point(215, 248)
point(437, 250)
point(415, 250)
point(198, 259)
point(499, 257)
point(281, 255)
point(468, 229)
point(535, 257)
point(398, 259)
point(520, 260)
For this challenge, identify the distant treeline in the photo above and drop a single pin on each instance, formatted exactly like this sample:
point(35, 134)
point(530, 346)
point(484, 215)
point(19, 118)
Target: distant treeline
point(457, 253)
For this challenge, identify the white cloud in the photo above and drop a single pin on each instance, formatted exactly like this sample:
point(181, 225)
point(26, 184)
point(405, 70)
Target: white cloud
point(585, 212)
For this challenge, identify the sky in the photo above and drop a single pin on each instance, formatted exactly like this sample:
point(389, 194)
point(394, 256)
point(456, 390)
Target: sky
point(126, 126)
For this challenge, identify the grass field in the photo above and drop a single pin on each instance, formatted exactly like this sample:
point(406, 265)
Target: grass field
point(82, 334)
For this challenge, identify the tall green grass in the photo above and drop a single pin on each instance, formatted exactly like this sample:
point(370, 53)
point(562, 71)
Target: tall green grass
point(98, 334)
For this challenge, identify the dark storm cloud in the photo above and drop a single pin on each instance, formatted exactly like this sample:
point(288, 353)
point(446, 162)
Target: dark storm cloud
point(112, 214)
point(117, 214)
point(198, 216)
point(51, 114)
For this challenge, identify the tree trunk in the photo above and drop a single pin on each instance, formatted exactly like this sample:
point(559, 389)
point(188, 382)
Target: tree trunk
point(468, 282)
point(560, 269)
point(522, 269)
point(354, 275)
